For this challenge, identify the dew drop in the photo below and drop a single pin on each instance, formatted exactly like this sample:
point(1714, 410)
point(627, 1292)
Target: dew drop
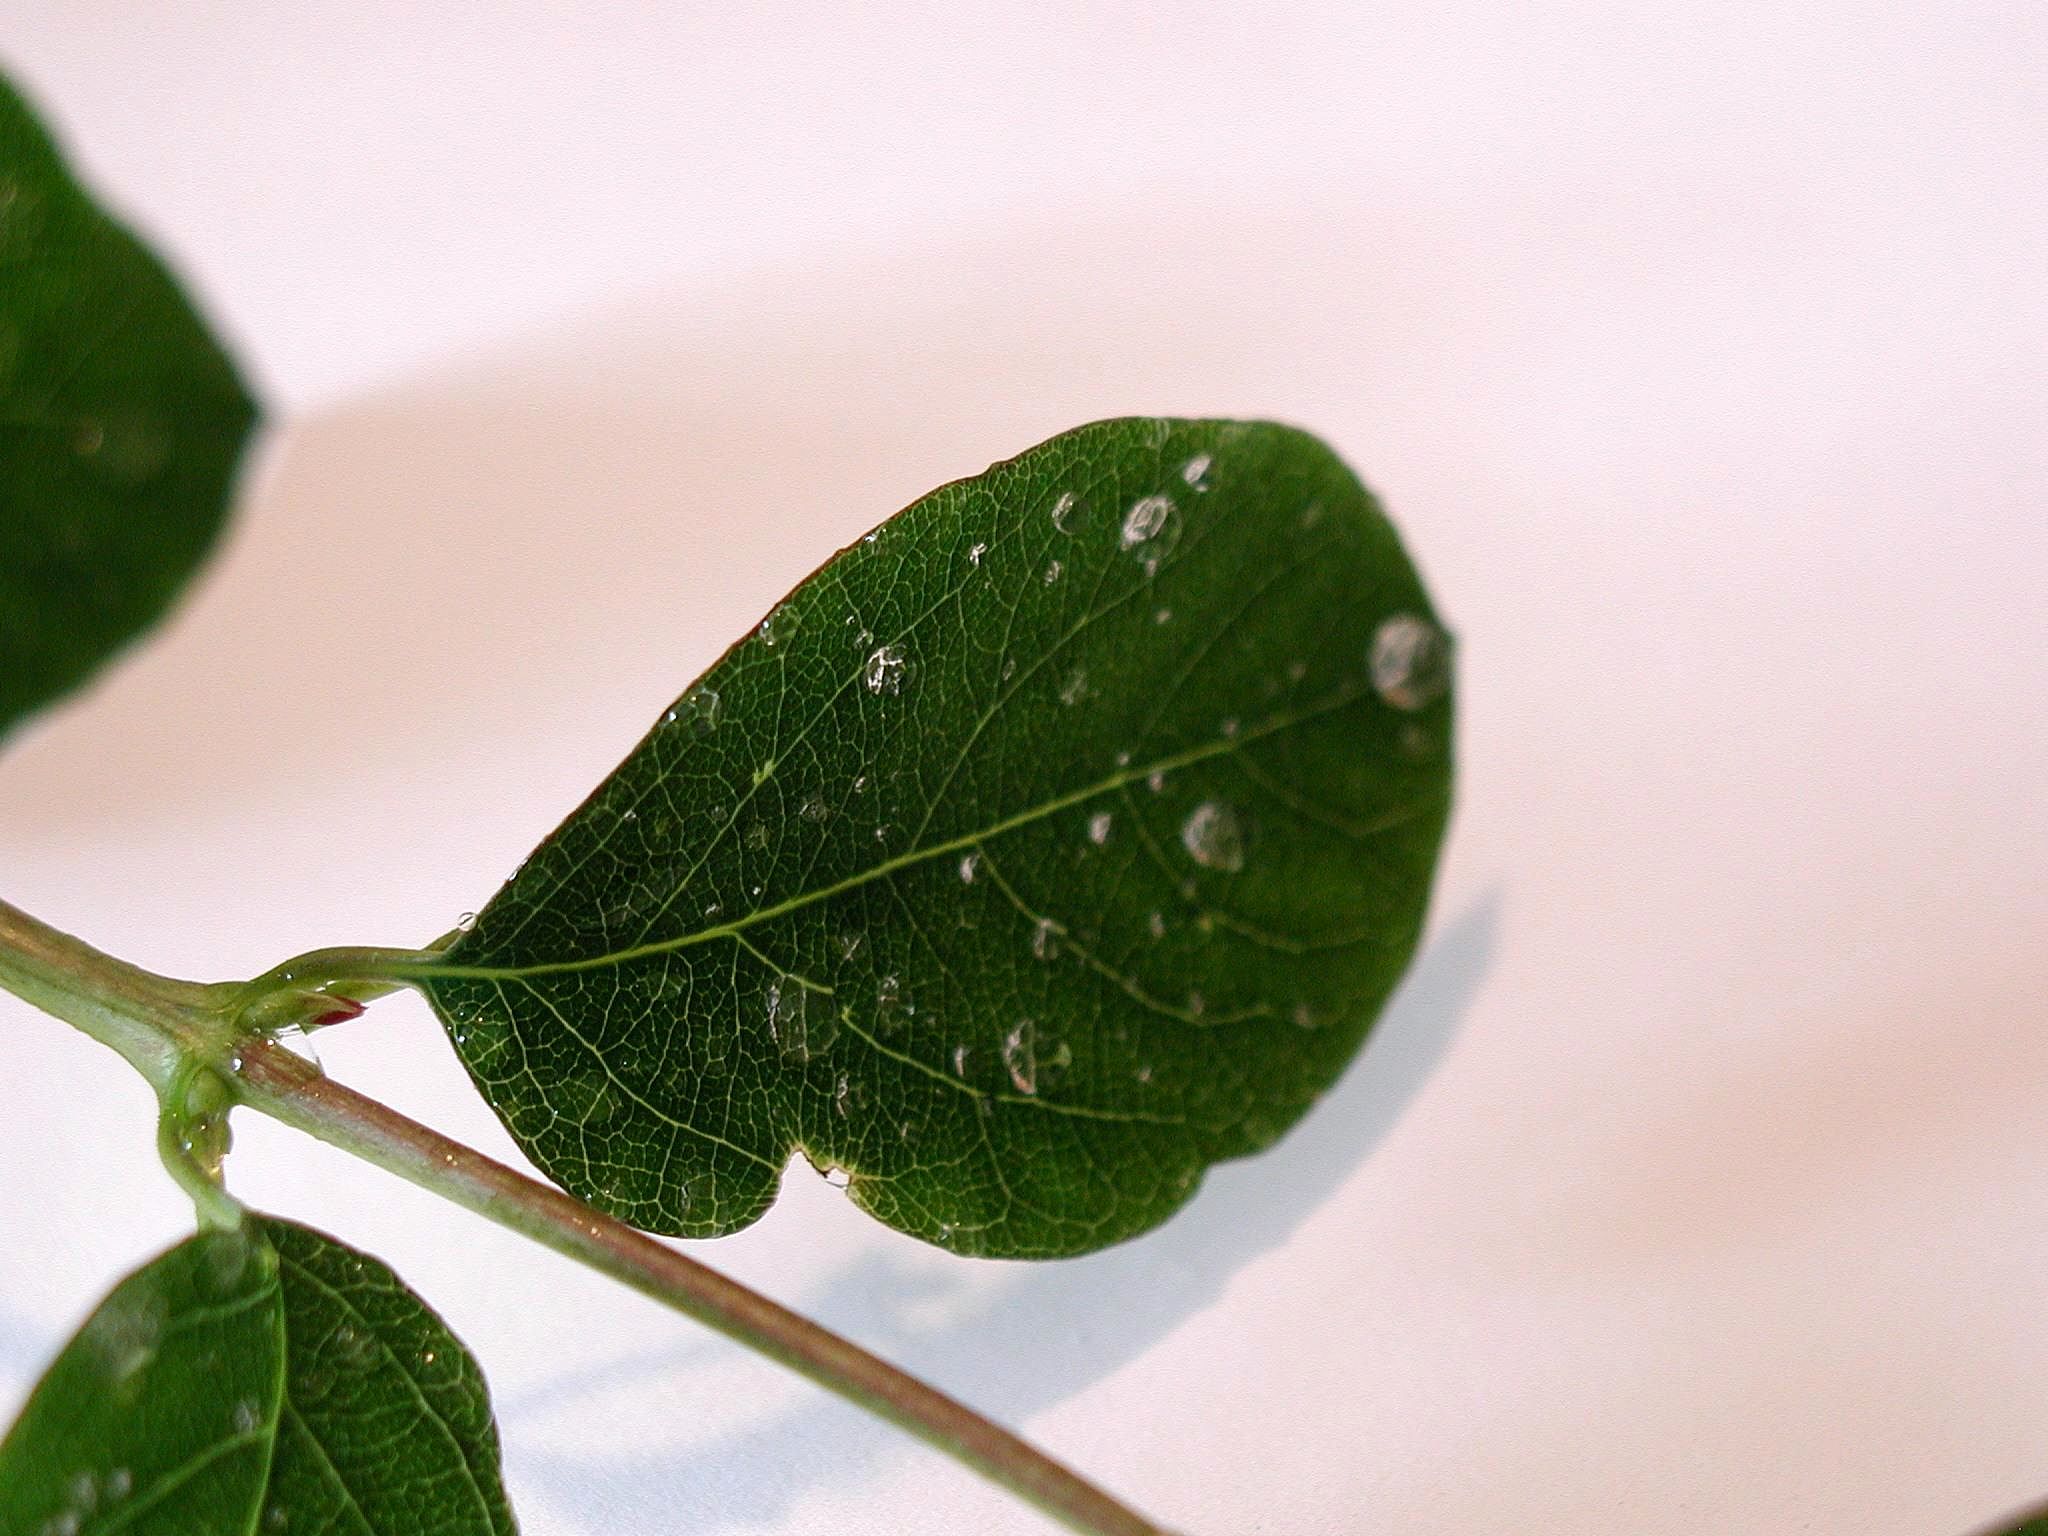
point(1075, 688)
point(1196, 471)
point(1020, 1056)
point(970, 865)
point(1045, 943)
point(961, 1056)
point(1156, 781)
point(1411, 661)
point(1155, 924)
point(1163, 616)
point(1052, 572)
point(884, 670)
point(1229, 726)
point(787, 1026)
point(842, 1095)
point(1213, 838)
point(814, 810)
point(247, 1416)
point(1098, 827)
point(1009, 668)
point(975, 553)
point(1304, 1017)
point(698, 710)
point(1062, 510)
point(466, 923)
point(1145, 519)
point(1123, 759)
point(119, 1482)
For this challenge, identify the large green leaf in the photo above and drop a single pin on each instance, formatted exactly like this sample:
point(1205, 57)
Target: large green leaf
point(121, 425)
point(1058, 839)
point(265, 1380)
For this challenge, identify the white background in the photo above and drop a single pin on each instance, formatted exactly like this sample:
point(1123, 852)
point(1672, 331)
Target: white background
point(1697, 1182)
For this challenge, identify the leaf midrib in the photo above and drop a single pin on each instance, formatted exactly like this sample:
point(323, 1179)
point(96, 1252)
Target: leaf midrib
point(437, 969)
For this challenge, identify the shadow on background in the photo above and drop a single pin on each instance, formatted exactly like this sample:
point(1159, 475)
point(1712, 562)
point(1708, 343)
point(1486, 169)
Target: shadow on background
point(559, 537)
point(1049, 1330)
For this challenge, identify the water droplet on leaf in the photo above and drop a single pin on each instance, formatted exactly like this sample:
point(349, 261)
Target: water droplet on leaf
point(884, 670)
point(1410, 660)
point(1213, 837)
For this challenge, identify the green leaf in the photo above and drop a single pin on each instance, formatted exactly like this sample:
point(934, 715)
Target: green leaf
point(159, 1415)
point(1056, 840)
point(121, 426)
point(265, 1380)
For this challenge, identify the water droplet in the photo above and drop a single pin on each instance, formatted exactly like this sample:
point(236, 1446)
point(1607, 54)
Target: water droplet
point(1163, 616)
point(1061, 510)
point(1098, 827)
point(975, 553)
point(1411, 661)
point(247, 1415)
point(842, 1094)
point(1229, 726)
point(1156, 781)
point(1020, 1056)
point(1144, 1074)
point(1305, 1017)
point(1155, 924)
point(1196, 470)
point(884, 670)
point(757, 836)
point(1052, 572)
point(698, 709)
point(814, 810)
point(1213, 837)
point(466, 923)
point(119, 1483)
point(860, 784)
point(1197, 1004)
point(838, 1177)
point(427, 1357)
point(849, 944)
point(962, 1055)
point(275, 1518)
point(1296, 671)
point(1009, 668)
point(1145, 519)
point(85, 1493)
point(1045, 943)
point(969, 865)
point(787, 1025)
point(1123, 759)
point(1075, 688)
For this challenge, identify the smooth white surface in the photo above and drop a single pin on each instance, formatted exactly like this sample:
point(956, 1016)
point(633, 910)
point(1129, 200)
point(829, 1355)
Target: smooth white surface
point(1696, 1184)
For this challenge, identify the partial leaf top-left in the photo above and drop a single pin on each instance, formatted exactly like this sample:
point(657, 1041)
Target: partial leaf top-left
point(122, 423)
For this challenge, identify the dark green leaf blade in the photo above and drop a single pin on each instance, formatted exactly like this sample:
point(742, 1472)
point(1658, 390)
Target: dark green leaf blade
point(386, 1424)
point(121, 426)
point(266, 1380)
point(1060, 838)
point(158, 1417)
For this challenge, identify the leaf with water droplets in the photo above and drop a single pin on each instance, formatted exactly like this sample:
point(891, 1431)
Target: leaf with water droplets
point(121, 426)
point(266, 1380)
point(1134, 855)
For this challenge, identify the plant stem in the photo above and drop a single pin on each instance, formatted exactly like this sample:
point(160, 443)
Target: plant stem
point(152, 1021)
point(167, 1029)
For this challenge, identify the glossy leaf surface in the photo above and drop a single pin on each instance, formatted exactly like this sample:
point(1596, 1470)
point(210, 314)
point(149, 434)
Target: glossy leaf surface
point(121, 426)
point(1060, 838)
point(267, 1380)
